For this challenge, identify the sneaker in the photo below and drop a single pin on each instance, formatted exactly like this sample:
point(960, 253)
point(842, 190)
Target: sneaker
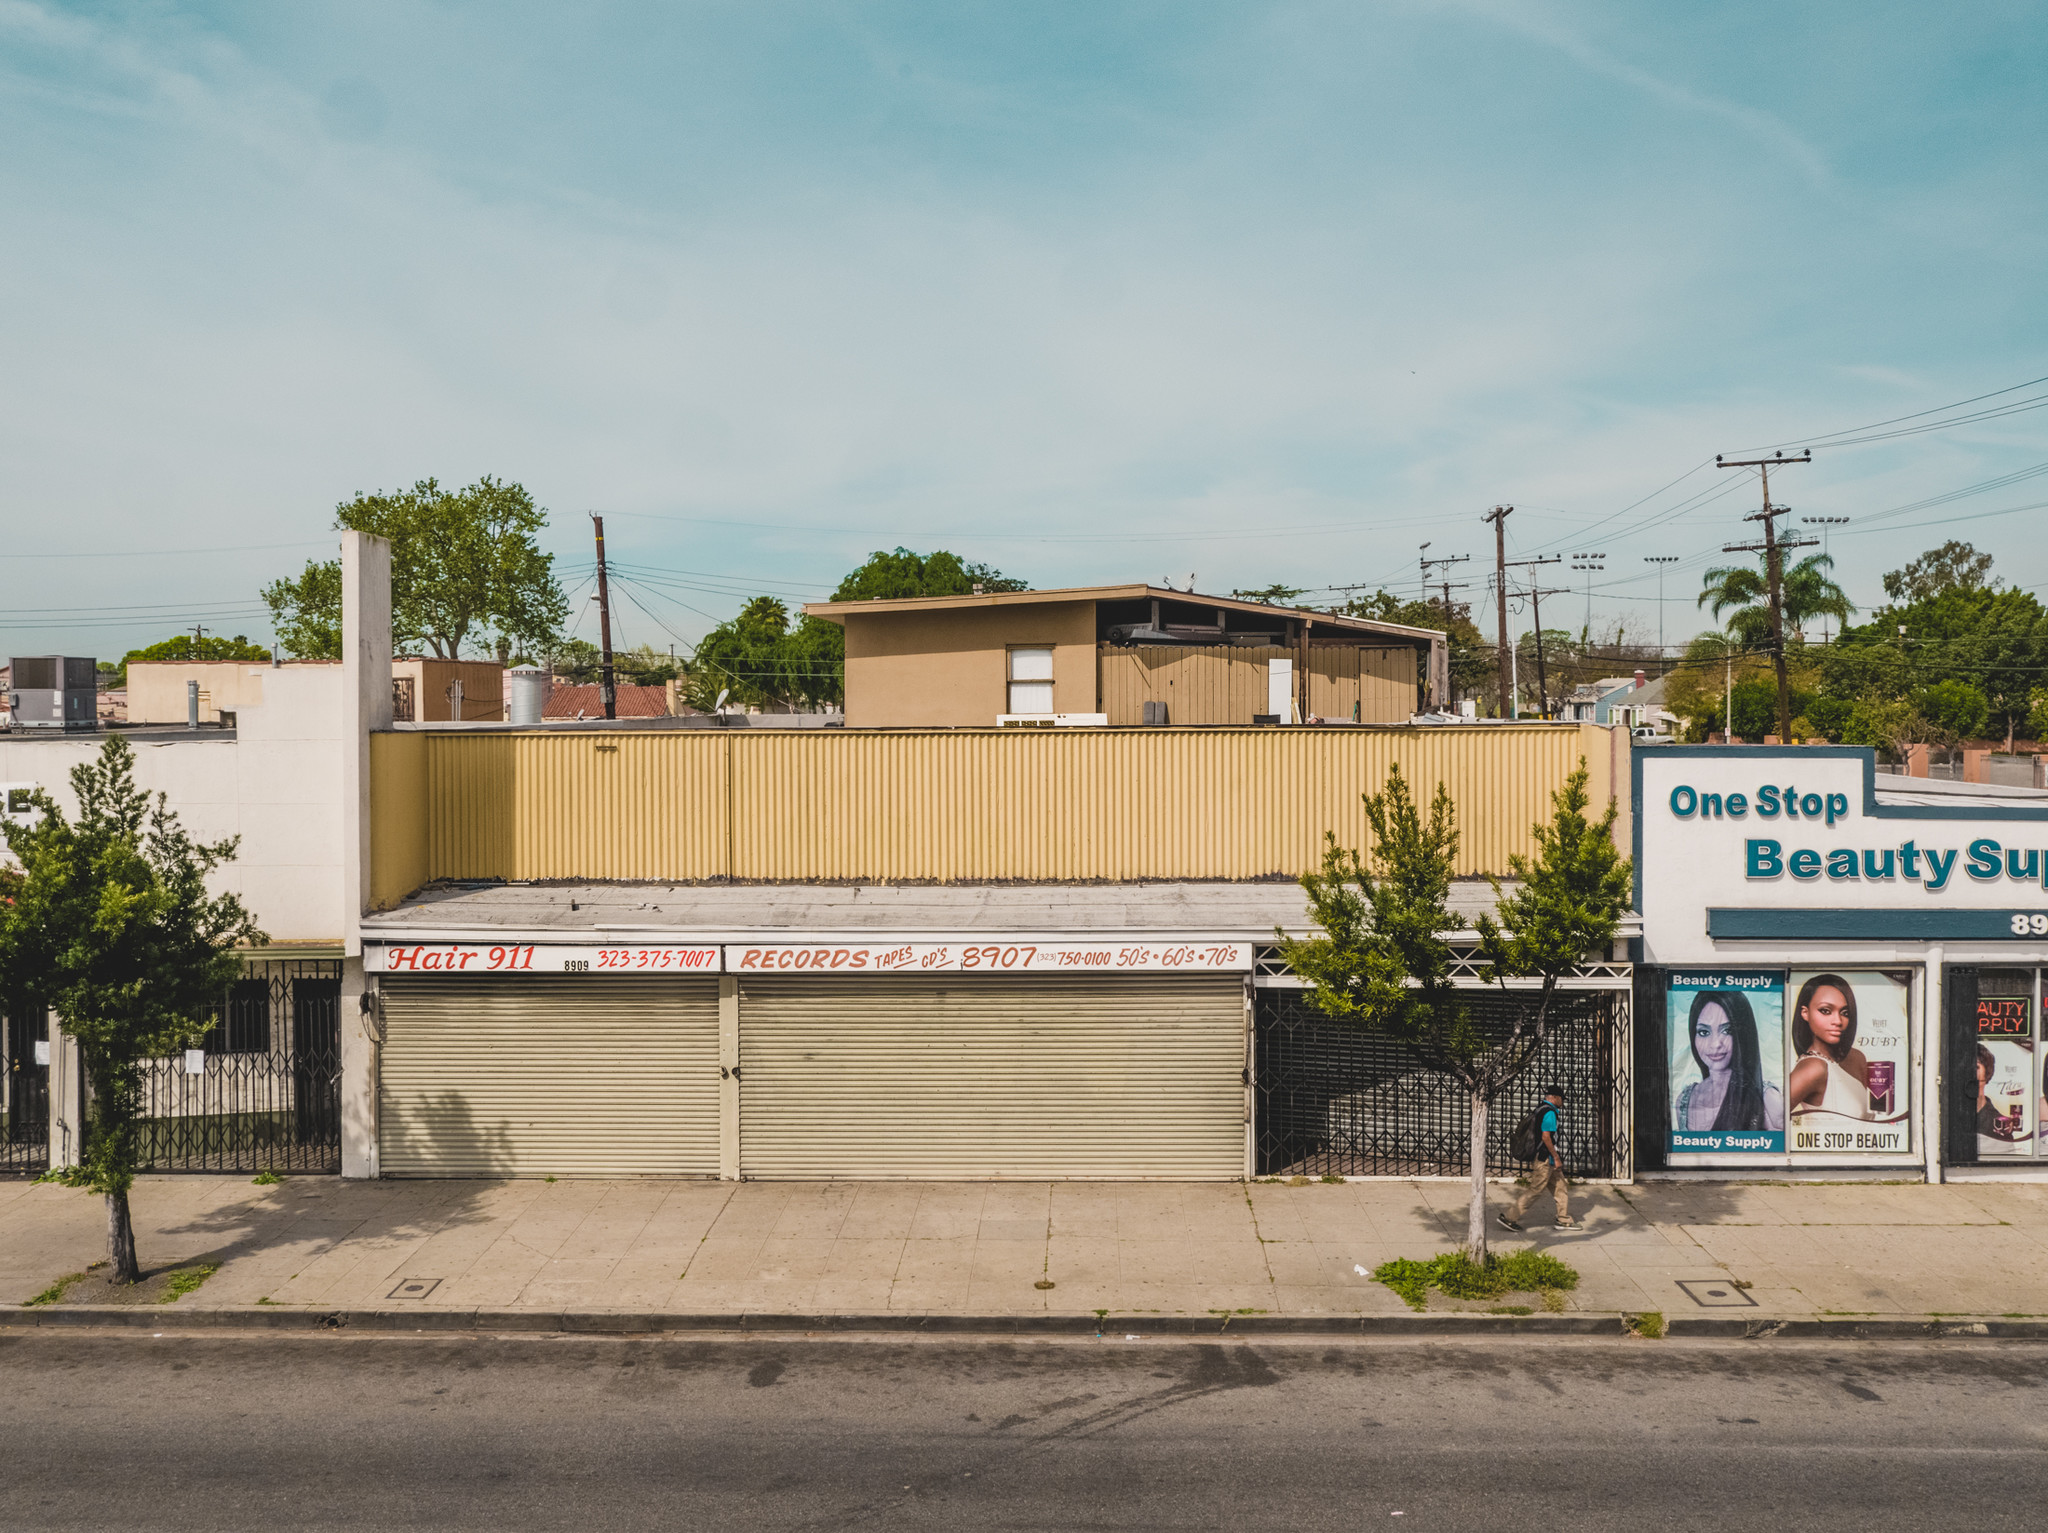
point(1568, 1223)
point(1507, 1224)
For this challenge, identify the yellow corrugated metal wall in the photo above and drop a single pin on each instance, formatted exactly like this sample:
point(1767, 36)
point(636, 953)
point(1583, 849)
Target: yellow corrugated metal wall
point(942, 805)
point(1208, 685)
point(400, 806)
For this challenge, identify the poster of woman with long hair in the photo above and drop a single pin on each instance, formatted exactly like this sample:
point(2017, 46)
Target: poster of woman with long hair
point(1727, 1057)
point(1849, 1078)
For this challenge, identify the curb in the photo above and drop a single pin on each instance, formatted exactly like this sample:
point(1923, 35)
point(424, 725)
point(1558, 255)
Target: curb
point(251, 1318)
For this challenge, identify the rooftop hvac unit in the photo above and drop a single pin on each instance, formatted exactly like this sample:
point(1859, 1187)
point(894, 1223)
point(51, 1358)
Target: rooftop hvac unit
point(53, 692)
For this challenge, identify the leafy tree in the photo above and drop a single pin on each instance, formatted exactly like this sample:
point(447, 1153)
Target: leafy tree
point(305, 613)
point(577, 661)
point(1885, 725)
point(464, 565)
point(1994, 639)
point(1955, 566)
point(762, 662)
point(645, 666)
point(1829, 716)
point(184, 647)
point(1956, 709)
point(1385, 966)
point(1472, 654)
point(905, 574)
point(109, 921)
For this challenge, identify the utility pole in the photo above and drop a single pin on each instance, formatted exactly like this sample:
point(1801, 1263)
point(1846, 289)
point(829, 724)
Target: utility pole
point(1543, 696)
point(1536, 595)
point(1425, 569)
point(198, 642)
point(1824, 523)
point(1445, 563)
point(1661, 561)
point(1772, 548)
point(1499, 517)
point(607, 690)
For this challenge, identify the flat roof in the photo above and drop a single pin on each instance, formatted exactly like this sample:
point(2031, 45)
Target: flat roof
point(742, 912)
point(837, 611)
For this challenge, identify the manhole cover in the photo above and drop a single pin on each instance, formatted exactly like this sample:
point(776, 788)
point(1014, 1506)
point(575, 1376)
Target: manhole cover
point(415, 1288)
point(1716, 1293)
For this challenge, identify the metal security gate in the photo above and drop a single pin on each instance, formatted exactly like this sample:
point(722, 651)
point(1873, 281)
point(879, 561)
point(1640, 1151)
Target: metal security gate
point(549, 1075)
point(24, 1093)
point(1010, 1076)
point(262, 1092)
point(1333, 1100)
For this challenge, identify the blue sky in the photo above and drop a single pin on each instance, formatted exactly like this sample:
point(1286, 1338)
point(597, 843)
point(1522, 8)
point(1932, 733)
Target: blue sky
point(1090, 292)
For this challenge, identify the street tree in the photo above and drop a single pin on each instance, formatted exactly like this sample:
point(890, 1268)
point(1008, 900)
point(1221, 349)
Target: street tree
point(464, 569)
point(108, 920)
point(1384, 961)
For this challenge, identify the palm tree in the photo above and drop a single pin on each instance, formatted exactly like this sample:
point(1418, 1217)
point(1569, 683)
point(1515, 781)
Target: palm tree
point(1807, 591)
point(1810, 592)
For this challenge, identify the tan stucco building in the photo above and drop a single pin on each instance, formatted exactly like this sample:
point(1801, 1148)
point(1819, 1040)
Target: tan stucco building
point(1132, 654)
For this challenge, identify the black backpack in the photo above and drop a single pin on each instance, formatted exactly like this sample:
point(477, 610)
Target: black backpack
point(1527, 1140)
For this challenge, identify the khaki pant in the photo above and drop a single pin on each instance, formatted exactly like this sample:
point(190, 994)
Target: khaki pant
point(1543, 1176)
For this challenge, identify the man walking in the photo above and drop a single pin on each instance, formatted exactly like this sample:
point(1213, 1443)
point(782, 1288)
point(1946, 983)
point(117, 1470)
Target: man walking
point(1546, 1167)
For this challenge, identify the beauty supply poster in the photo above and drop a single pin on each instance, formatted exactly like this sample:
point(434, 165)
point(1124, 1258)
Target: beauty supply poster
point(1726, 1047)
point(1848, 1051)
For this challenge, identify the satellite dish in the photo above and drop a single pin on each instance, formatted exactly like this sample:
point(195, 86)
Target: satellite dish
point(719, 706)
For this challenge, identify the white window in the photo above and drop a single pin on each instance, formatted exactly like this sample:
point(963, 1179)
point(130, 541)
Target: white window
point(1031, 680)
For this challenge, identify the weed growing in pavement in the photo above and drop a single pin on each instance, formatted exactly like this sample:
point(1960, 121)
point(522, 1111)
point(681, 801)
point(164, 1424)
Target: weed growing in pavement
point(186, 1280)
point(1649, 1324)
point(1457, 1275)
point(54, 1294)
point(266, 1179)
point(1337, 1179)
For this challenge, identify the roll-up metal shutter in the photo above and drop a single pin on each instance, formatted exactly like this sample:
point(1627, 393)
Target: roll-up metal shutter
point(552, 1075)
point(971, 1076)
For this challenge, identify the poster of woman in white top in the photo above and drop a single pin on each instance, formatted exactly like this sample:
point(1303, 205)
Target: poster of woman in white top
point(1850, 1051)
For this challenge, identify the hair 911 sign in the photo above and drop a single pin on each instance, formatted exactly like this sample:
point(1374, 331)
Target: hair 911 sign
point(473, 958)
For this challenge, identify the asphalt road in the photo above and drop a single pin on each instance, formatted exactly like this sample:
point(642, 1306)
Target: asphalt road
point(129, 1431)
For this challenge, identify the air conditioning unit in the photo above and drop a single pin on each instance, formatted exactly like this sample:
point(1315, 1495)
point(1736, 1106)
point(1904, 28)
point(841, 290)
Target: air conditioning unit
point(53, 692)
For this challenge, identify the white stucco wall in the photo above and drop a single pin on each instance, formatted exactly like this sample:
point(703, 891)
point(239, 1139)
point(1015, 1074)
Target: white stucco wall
point(275, 782)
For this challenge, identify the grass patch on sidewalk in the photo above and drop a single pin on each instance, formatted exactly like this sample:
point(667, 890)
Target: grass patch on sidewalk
point(1457, 1276)
point(163, 1285)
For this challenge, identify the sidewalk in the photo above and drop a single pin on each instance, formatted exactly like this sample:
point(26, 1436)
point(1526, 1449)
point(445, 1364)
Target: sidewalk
point(1138, 1251)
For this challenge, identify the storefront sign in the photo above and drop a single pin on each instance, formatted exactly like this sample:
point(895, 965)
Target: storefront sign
point(1794, 845)
point(1814, 1062)
point(1850, 1075)
point(538, 958)
point(988, 957)
point(2005, 1107)
point(1726, 1047)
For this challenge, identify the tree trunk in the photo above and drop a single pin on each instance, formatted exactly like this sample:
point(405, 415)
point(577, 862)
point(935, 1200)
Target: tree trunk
point(1475, 1217)
point(121, 1240)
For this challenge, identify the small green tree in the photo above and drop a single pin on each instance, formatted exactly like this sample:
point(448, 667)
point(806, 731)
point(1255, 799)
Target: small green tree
point(1384, 962)
point(109, 921)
